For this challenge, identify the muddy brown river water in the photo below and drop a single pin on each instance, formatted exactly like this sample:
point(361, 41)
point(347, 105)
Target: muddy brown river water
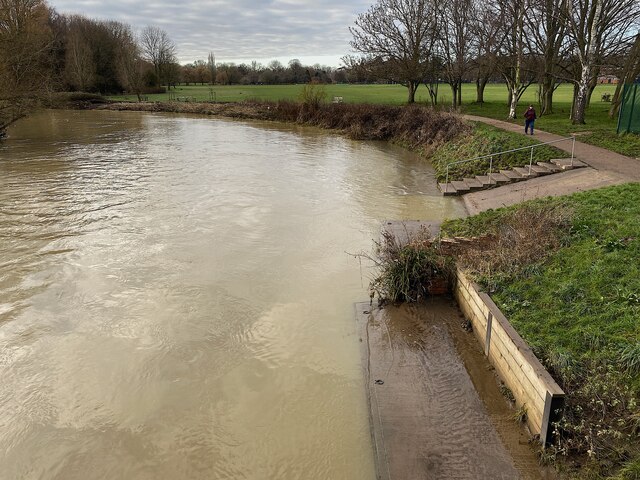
point(175, 297)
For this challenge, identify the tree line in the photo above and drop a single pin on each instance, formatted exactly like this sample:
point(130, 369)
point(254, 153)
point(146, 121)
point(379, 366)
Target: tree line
point(42, 51)
point(522, 42)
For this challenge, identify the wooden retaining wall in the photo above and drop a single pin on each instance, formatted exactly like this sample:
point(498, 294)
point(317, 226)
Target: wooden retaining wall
point(515, 363)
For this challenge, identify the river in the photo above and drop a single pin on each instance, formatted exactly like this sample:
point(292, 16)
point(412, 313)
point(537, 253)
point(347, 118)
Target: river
point(176, 295)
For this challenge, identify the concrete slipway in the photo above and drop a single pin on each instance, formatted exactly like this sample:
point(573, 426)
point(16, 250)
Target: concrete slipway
point(436, 408)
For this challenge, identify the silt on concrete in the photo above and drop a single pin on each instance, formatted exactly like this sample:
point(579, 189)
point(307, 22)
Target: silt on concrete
point(429, 418)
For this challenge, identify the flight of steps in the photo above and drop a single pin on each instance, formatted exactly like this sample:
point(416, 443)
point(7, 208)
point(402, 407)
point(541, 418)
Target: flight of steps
point(515, 174)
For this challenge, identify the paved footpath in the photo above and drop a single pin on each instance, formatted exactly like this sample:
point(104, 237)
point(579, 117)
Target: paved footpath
point(605, 168)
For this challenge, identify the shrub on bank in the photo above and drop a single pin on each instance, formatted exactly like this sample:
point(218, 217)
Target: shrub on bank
point(417, 127)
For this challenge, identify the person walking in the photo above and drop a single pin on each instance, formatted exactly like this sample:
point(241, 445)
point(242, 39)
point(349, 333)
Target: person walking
point(529, 119)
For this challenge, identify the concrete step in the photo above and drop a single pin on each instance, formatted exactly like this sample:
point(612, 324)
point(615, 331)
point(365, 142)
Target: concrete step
point(461, 187)
point(512, 175)
point(486, 180)
point(524, 172)
point(566, 164)
point(552, 167)
point(540, 170)
point(447, 189)
point(473, 184)
point(500, 178)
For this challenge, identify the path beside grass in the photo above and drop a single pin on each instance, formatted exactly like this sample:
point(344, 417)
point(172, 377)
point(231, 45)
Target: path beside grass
point(606, 168)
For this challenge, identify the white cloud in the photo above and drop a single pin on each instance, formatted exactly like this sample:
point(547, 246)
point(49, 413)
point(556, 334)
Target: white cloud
point(238, 30)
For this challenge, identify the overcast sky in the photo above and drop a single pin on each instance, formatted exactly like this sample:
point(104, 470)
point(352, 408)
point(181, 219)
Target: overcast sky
point(238, 30)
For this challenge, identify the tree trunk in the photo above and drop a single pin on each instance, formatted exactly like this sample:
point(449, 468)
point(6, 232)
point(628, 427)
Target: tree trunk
point(412, 86)
point(587, 62)
point(546, 99)
point(459, 93)
point(513, 104)
point(582, 96)
point(592, 86)
point(454, 93)
point(480, 84)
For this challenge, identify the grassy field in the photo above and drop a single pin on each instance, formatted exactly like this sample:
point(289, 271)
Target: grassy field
point(599, 129)
point(579, 309)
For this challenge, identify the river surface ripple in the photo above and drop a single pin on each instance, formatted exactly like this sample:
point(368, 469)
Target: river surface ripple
point(176, 297)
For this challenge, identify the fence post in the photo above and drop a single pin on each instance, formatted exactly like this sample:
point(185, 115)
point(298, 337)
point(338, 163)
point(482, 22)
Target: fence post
point(490, 166)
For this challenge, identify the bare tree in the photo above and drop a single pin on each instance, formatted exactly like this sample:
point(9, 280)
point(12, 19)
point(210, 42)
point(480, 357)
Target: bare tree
point(488, 39)
point(397, 38)
point(455, 43)
point(630, 72)
point(131, 65)
point(512, 63)
point(159, 49)
point(79, 65)
point(211, 65)
point(596, 27)
point(547, 28)
point(25, 47)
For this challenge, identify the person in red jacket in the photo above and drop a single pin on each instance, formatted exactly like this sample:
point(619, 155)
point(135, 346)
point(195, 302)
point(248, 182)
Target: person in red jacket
point(529, 119)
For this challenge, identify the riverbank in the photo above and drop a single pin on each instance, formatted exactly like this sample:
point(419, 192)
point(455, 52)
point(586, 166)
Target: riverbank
point(599, 129)
point(565, 271)
point(416, 127)
point(440, 137)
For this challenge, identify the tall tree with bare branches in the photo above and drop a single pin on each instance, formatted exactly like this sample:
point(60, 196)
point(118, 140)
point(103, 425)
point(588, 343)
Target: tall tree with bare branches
point(596, 27)
point(397, 38)
point(456, 33)
point(158, 49)
point(25, 46)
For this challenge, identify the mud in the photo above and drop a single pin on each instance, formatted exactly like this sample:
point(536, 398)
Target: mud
point(436, 408)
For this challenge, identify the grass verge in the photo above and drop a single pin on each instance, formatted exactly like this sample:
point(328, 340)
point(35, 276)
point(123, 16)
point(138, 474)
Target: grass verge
point(578, 306)
point(484, 140)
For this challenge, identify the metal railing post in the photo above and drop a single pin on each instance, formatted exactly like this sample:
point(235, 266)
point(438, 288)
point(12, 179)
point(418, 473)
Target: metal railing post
point(573, 149)
point(490, 166)
point(531, 159)
point(446, 182)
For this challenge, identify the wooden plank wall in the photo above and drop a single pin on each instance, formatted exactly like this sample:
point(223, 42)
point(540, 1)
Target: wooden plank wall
point(515, 363)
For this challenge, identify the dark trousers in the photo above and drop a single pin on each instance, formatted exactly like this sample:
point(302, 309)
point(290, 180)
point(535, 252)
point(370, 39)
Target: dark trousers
point(528, 124)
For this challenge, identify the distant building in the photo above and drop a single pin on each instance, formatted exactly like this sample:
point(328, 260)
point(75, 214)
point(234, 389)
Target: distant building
point(608, 79)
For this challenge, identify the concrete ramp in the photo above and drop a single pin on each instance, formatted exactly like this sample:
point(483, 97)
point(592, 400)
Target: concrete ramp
point(427, 419)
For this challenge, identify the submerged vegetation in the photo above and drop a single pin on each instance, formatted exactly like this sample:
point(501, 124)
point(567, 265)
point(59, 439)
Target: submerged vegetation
point(566, 272)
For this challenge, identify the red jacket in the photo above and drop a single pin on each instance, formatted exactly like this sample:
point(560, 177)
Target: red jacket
point(530, 114)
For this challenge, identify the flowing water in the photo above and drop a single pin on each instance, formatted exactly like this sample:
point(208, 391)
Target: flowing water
point(176, 295)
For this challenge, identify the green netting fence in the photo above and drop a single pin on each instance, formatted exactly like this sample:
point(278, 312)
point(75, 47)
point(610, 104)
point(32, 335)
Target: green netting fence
point(629, 118)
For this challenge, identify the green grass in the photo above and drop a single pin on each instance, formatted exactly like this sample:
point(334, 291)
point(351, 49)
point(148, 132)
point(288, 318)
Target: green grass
point(484, 140)
point(588, 292)
point(599, 129)
point(579, 309)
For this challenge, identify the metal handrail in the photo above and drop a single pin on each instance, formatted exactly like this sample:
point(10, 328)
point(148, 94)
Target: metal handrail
point(491, 155)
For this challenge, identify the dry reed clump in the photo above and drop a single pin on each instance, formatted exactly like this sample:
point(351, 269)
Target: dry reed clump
point(408, 271)
point(522, 238)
